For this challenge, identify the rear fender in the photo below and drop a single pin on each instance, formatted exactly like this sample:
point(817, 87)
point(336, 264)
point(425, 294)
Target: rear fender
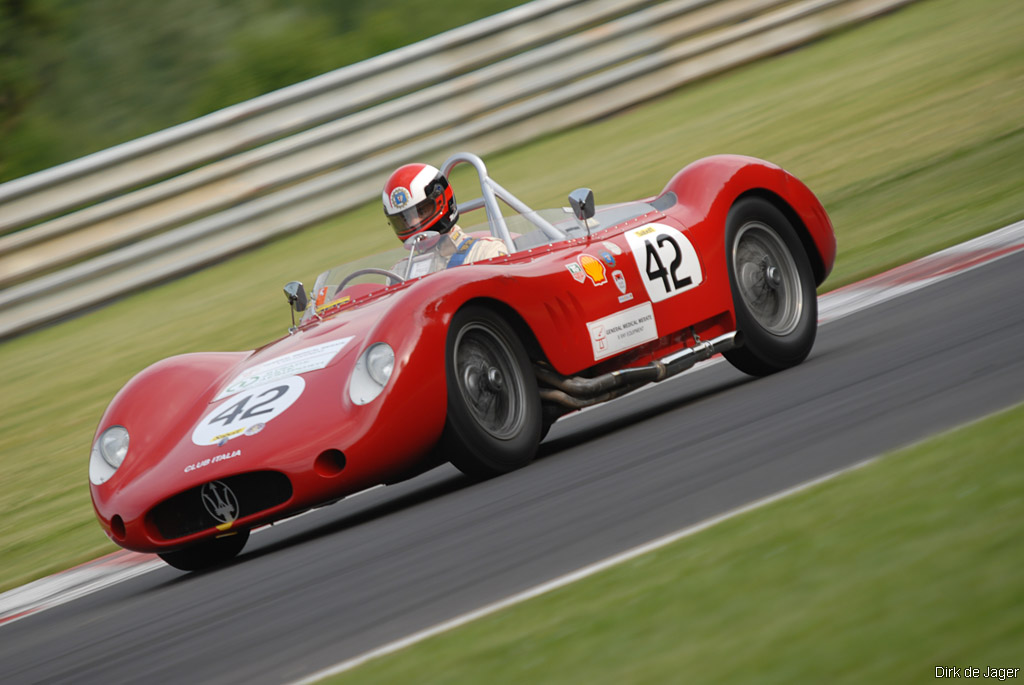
point(709, 187)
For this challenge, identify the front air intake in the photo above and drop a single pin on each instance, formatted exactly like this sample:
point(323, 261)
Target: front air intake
point(219, 503)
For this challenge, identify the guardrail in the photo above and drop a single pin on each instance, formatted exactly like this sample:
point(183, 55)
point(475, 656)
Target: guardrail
point(226, 182)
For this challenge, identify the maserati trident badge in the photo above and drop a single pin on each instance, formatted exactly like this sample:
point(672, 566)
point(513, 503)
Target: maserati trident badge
point(220, 501)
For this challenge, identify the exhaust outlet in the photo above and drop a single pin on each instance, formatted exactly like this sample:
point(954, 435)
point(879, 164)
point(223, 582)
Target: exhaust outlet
point(577, 392)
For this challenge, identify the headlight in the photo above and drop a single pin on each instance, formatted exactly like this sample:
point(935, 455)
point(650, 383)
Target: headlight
point(380, 362)
point(114, 445)
point(372, 372)
point(108, 454)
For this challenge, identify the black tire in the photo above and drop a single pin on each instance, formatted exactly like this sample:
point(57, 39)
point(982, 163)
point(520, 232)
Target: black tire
point(494, 414)
point(208, 553)
point(772, 289)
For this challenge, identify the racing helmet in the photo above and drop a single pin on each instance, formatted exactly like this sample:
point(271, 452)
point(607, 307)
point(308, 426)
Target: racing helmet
point(417, 198)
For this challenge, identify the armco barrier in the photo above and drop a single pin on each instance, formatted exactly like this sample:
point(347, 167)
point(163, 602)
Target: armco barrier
point(239, 177)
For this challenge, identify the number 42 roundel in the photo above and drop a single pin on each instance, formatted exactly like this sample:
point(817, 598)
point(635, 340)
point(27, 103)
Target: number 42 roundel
point(247, 412)
point(667, 261)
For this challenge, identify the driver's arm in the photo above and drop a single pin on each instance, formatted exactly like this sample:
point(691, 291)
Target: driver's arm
point(486, 249)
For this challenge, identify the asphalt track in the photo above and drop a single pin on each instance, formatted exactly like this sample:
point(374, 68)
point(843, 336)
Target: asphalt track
point(348, 578)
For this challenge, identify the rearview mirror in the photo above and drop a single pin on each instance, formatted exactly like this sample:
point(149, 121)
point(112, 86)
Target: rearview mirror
point(582, 202)
point(297, 300)
point(296, 296)
point(422, 241)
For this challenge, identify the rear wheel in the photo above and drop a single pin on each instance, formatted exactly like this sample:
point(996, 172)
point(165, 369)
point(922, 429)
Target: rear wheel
point(494, 414)
point(772, 289)
point(208, 553)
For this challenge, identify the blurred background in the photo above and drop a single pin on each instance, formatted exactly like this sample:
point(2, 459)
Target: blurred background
point(905, 118)
point(79, 77)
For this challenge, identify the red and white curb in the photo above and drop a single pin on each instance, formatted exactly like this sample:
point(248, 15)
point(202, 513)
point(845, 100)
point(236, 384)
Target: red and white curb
point(921, 273)
point(119, 566)
point(74, 583)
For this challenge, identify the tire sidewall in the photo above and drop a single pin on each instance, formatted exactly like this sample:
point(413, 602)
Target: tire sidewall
point(764, 352)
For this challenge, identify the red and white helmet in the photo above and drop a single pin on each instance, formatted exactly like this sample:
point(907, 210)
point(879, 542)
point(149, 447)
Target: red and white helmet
point(418, 198)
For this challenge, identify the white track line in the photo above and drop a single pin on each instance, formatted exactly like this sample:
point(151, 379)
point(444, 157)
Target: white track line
point(568, 578)
point(120, 566)
point(602, 565)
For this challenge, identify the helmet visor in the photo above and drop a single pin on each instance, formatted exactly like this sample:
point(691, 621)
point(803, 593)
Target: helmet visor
point(411, 220)
point(423, 215)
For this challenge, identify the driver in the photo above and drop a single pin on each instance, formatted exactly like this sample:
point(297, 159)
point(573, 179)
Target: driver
point(418, 198)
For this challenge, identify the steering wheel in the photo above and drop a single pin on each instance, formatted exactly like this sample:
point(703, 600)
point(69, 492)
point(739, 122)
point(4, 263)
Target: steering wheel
point(369, 271)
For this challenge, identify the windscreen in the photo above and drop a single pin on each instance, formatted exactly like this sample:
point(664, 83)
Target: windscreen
point(356, 279)
point(341, 284)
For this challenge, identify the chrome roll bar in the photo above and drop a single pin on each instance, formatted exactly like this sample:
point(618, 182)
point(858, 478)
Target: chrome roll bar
point(490, 193)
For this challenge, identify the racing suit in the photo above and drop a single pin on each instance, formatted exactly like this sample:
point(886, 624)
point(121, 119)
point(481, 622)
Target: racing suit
point(455, 249)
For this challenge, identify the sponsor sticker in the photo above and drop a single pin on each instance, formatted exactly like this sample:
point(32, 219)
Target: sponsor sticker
point(622, 330)
point(607, 258)
point(294, 363)
point(227, 436)
point(667, 261)
point(194, 466)
point(577, 271)
point(612, 247)
point(620, 281)
point(334, 303)
point(321, 297)
point(247, 413)
point(593, 268)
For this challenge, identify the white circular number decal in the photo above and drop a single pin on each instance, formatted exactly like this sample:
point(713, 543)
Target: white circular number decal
point(667, 262)
point(247, 413)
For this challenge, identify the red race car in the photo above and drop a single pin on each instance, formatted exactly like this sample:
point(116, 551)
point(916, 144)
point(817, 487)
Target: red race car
point(380, 381)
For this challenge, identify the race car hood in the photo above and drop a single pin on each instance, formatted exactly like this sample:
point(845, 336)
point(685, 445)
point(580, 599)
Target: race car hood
point(310, 348)
point(188, 418)
point(286, 408)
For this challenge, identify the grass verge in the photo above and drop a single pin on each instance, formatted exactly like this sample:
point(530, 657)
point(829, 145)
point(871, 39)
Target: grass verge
point(879, 575)
point(908, 128)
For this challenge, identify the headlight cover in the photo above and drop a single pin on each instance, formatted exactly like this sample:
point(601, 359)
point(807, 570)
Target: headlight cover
point(380, 362)
point(108, 454)
point(373, 371)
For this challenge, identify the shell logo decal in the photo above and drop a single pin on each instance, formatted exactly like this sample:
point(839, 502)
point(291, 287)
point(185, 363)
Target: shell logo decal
point(593, 268)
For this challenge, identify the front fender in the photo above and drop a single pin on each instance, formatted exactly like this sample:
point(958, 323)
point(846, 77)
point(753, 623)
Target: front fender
point(165, 396)
point(162, 399)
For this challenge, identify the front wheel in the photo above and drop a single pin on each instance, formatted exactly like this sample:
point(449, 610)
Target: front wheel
point(772, 288)
point(494, 415)
point(208, 553)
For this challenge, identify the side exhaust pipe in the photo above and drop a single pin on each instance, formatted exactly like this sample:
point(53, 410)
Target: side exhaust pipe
point(577, 392)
